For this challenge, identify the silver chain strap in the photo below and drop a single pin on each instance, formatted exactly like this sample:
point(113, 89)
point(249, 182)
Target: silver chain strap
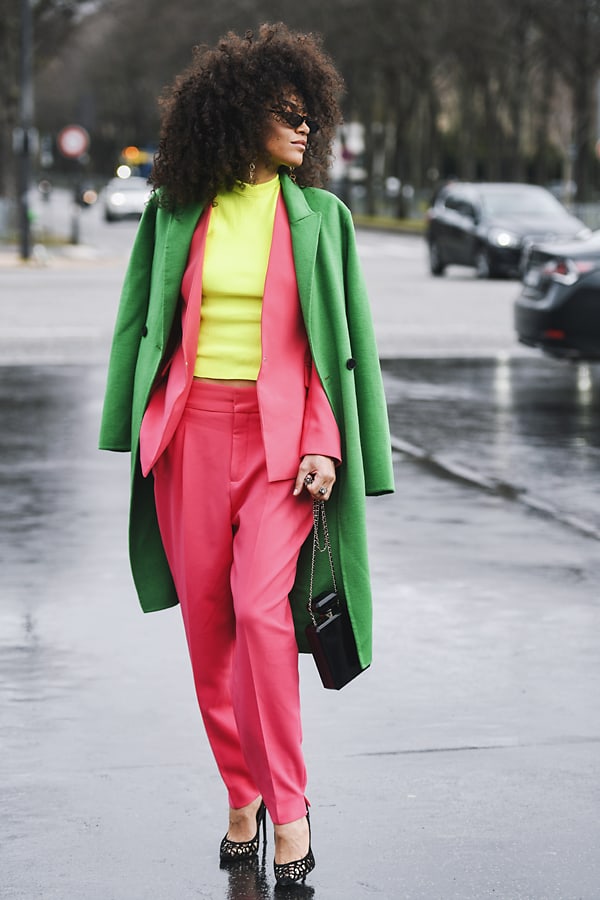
point(319, 515)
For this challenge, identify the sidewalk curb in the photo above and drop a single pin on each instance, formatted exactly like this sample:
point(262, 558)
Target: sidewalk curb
point(69, 256)
point(444, 467)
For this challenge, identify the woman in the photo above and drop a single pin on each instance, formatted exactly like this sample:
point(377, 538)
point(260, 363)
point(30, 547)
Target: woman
point(244, 380)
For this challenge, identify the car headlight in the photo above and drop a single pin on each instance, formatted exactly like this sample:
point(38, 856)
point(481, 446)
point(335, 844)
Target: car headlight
point(502, 238)
point(117, 199)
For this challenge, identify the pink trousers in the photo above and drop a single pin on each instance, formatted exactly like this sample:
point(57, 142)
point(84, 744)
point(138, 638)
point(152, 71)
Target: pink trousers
point(232, 539)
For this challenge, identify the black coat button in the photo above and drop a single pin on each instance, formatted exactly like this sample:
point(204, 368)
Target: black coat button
point(145, 331)
point(350, 363)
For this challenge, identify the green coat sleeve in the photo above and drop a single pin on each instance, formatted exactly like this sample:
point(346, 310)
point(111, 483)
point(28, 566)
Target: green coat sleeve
point(115, 429)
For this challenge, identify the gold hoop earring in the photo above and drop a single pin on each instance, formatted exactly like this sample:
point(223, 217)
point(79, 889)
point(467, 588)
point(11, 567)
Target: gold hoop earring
point(252, 173)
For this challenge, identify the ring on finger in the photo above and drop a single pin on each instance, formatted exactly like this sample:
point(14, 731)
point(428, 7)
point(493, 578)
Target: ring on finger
point(309, 478)
point(322, 490)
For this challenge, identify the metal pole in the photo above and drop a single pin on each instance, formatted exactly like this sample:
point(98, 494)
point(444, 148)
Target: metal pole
point(25, 126)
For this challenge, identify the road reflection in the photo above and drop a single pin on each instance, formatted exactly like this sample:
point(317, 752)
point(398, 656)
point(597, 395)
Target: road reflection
point(46, 492)
point(530, 422)
point(248, 880)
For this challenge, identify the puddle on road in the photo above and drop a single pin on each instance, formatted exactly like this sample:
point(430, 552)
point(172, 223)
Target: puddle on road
point(531, 422)
point(48, 437)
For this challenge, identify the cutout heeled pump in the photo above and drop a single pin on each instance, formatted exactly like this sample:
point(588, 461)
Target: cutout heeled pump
point(295, 872)
point(231, 851)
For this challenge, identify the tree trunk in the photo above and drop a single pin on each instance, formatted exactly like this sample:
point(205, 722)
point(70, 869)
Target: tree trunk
point(582, 135)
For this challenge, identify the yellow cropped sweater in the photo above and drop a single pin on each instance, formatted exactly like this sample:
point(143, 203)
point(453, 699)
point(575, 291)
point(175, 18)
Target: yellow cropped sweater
point(237, 250)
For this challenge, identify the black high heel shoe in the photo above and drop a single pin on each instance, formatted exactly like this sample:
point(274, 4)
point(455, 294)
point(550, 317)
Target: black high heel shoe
point(231, 851)
point(295, 872)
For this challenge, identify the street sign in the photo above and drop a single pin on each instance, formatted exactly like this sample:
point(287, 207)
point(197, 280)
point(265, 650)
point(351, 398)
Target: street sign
point(73, 141)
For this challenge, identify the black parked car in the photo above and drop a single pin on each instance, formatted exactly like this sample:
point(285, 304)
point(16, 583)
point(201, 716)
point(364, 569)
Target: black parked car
point(488, 225)
point(558, 309)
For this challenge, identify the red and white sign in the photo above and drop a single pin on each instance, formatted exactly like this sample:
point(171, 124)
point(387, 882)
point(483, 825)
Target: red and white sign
point(73, 141)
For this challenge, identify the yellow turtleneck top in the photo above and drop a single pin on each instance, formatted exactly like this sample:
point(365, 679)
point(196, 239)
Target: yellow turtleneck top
point(238, 244)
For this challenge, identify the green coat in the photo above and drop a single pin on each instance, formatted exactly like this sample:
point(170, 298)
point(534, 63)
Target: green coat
point(338, 323)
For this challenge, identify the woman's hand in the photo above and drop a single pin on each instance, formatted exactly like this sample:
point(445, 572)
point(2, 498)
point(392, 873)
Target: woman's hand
point(317, 475)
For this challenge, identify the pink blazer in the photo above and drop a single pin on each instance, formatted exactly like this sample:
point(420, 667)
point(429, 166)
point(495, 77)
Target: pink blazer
point(295, 413)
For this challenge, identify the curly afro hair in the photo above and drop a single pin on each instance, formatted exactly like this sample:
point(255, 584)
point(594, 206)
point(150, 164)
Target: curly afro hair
point(215, 115)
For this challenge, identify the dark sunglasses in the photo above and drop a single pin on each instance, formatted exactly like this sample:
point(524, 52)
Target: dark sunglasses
point(295, 120)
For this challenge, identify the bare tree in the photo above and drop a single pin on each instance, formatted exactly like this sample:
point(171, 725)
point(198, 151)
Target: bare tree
point(570, 34)
point(54, 22)
point(468, 88)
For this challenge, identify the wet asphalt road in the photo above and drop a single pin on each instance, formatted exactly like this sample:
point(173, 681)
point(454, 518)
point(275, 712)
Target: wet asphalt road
point(463, 765)
point(531, 424)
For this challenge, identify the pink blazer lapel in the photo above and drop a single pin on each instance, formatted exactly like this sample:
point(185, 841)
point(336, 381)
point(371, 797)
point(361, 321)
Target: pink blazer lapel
point(285, 367)
point(296, 415)
point(191, 292)
point(168, 398)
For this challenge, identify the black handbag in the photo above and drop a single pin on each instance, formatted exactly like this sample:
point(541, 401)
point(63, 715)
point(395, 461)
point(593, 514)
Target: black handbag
point(329, 634)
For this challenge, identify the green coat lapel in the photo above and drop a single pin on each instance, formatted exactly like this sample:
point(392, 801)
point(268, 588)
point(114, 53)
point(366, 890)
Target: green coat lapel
point(305, 225)
point(174, 253)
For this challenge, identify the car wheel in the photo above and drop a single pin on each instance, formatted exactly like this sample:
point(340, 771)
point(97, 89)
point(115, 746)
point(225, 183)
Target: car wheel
point(436, 265)
point(483, 268)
